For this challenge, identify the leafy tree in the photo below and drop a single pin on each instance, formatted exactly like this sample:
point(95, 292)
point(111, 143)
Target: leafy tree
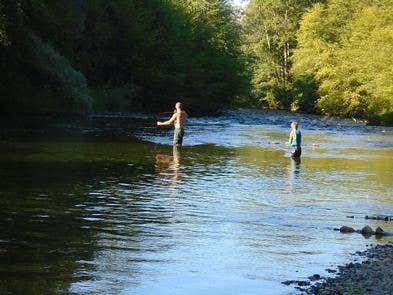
point(346, 47)
point(270, 37)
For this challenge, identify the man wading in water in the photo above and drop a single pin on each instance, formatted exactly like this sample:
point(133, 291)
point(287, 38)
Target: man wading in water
point(178, 119)
point(295, 140)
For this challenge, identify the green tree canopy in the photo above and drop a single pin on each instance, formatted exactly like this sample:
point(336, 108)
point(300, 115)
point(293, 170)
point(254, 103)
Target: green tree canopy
point(269, 39)
point(119, 55)
point(346, 46)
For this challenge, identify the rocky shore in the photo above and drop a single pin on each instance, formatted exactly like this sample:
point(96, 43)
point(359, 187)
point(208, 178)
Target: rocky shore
point(372, 276)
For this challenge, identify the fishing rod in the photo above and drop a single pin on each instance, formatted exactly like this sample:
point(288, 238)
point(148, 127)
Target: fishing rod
point(168, 113)
point(162, 113)
point(156, 118)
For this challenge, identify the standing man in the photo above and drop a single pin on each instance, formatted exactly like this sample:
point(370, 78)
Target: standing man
point(295, 140)
point(178, 119)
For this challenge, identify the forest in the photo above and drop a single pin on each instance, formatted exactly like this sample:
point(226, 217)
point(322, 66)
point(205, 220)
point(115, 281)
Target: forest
point(67, 57)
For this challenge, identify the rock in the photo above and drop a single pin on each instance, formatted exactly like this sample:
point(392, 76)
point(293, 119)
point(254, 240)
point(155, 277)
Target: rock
point(379, 217)
point(314, 277)
point(287, 283)
point(367, 231)
point(346, 229)
point(299, 283)
point(379, 231)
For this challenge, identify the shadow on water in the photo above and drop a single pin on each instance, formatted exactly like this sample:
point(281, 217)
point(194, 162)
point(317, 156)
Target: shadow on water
point(65, 202)
point(49, 223)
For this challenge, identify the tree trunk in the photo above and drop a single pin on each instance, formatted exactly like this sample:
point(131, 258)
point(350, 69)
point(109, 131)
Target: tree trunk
point(286, 52)
point(267, 39)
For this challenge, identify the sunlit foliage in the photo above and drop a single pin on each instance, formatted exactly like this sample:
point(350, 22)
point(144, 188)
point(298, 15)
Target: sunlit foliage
point(346, 46)
point(270, 36)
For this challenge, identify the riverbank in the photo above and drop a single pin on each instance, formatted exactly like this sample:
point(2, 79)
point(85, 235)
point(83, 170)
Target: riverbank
point(373, 275)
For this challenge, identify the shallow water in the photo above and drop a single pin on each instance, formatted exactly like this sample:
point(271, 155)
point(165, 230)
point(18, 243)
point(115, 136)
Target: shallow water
point(108, 207)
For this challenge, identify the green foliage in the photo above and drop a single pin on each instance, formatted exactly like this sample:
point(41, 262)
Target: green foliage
point(305, 94)
point(3, 29)
point(329, 56)
point(270, 37)
point(72, 83)
point(110, 98)
point(346, 46)
point(143, 55)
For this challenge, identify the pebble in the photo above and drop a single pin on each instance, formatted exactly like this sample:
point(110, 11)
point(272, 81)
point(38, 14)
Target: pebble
point(380, 217)
point(314, 277)
point(367, 231)
point(346, 229)
point(379, 231)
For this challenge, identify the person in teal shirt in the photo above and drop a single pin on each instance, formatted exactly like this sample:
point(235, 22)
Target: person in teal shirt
point(295, 140)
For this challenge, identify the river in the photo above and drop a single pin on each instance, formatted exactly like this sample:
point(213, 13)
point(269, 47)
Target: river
point(107, 206)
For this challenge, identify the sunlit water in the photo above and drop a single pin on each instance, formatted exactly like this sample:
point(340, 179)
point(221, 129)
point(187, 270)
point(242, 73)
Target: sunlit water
point(108, 207)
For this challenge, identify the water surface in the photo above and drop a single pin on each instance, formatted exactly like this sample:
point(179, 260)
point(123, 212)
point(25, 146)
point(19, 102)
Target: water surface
point(109, 207)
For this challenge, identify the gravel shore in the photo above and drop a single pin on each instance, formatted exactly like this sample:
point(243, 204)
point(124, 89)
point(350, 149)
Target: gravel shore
point(374, 275)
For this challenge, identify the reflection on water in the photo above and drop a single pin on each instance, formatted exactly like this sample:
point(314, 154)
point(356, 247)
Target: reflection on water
point(95, 211)
point(294, 171)
point(169, 164)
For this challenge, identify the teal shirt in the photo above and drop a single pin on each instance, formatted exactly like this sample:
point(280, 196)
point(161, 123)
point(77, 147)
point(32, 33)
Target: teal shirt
point(297, 140)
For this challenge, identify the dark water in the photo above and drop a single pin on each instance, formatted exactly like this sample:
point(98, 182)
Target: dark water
point(108, 207)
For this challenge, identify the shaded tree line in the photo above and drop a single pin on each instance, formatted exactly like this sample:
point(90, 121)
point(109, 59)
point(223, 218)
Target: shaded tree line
point(76, 56)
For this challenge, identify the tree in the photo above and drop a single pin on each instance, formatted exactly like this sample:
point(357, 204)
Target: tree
point(121, 55)
point(346, 47)
point(270, 37)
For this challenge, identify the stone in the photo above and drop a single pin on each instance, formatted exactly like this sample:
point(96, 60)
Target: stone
point(379, 217)
point(303, 283)
point(367, 231)
point(346, 229)
point(314, 277)
point(379, 231)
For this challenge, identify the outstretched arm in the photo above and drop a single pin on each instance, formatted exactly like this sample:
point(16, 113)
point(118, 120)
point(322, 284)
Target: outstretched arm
point(169, 122)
